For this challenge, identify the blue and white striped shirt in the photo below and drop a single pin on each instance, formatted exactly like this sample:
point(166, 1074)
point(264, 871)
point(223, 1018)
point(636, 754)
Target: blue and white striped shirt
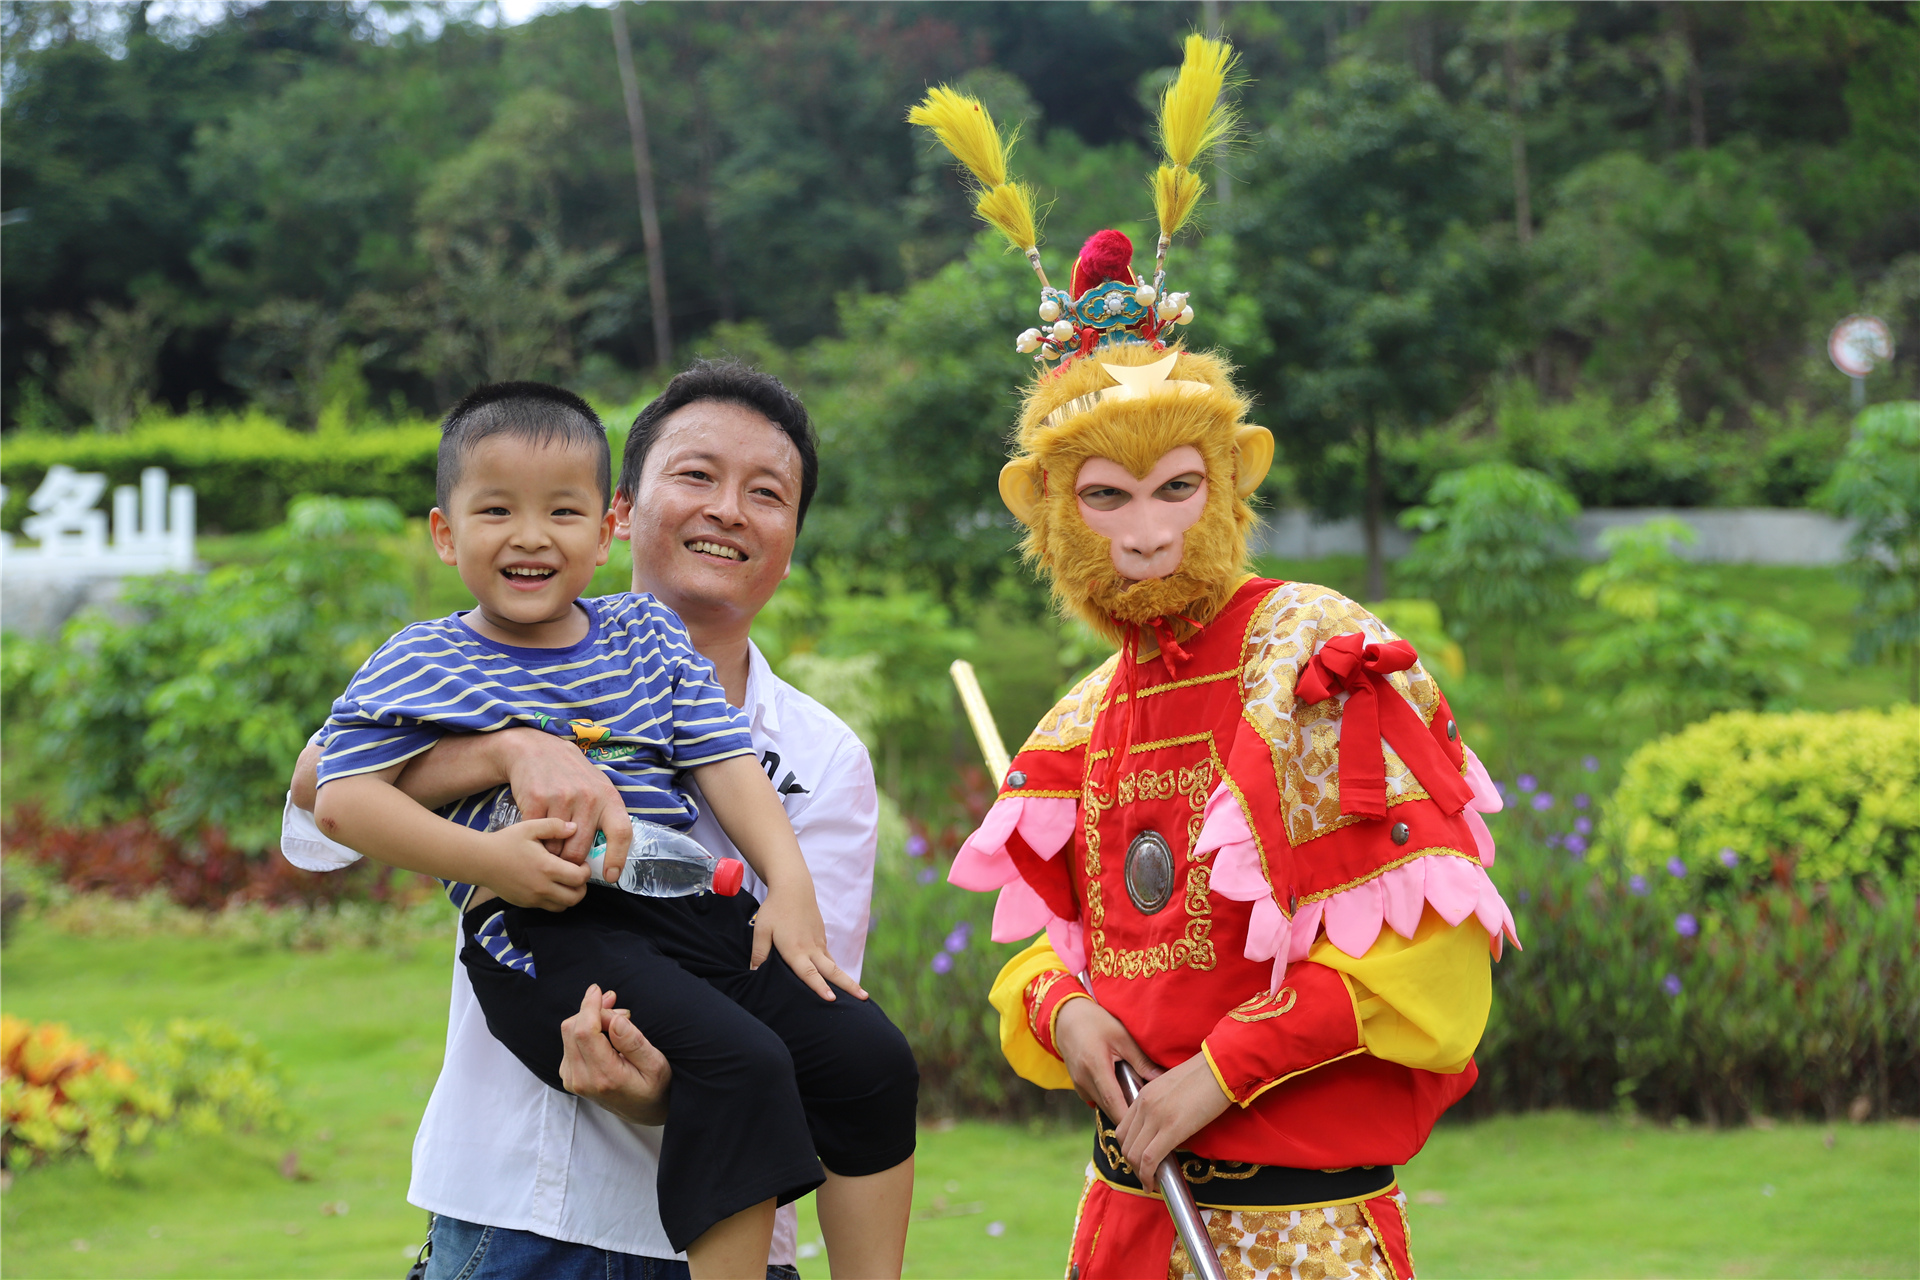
point(633, 694)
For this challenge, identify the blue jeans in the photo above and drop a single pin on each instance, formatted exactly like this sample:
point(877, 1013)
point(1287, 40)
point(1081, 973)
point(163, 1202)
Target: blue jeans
point(469, 1251)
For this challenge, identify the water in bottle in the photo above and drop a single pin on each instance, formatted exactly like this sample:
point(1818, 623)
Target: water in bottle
point(661, 862)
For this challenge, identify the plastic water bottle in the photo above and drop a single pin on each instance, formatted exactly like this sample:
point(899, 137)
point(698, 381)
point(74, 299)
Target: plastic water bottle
point(661, 862)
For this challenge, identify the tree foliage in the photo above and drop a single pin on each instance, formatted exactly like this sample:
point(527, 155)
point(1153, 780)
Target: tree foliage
point(1878, 484)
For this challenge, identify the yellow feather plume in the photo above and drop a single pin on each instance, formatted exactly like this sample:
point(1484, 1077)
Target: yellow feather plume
point(1192, 117)
point(965, 127)
point(1192, 120)
point(1175, 193)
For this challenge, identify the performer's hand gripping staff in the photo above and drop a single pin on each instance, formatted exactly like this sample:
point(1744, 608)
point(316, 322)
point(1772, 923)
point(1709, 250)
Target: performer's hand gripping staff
point(1173, 1186)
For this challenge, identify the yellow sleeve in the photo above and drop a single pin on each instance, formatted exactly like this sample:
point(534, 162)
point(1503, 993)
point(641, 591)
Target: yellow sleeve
point(1422, 1002)
point(1024, 1052)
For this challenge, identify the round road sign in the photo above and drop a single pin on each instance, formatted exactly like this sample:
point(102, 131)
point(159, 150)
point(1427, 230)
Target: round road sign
point(1858, 343)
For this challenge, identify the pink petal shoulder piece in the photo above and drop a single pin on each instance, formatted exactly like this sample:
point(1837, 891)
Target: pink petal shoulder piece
point(1455, 887)
point(1046, 823)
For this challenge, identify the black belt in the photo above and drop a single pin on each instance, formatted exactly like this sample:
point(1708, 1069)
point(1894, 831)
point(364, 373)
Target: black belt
point(1227, 1184)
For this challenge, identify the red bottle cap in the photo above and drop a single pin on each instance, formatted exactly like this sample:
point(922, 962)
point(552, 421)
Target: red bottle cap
point(727, 874)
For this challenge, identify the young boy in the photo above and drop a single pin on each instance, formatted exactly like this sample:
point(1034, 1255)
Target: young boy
point(766, 1072)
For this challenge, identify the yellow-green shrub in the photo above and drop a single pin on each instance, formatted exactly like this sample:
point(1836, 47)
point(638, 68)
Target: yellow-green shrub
point(1835, 794)
point(59, 1094)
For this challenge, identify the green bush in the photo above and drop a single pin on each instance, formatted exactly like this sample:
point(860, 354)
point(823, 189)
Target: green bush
point(244, 471)
point(1784, 1001)
point(1724, 802)
point(194, 714)
point(1671, 646)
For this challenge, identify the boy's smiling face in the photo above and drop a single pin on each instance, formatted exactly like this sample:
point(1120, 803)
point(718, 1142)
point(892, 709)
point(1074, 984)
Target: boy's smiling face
point(526, 529)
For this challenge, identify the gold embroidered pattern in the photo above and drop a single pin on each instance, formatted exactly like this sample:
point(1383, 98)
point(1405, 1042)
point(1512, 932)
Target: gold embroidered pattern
point(1268, 1004)
point(1284, 633)
point(1171, 685)
point(1194, 948)
point(1332, 1243)
point(1037, 999)
point(1070, 723)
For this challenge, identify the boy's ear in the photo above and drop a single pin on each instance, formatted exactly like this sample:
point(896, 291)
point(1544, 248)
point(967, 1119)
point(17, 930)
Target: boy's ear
point(442, 532)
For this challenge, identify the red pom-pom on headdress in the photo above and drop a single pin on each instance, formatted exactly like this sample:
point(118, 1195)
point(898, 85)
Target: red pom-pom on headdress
point(1107, 255)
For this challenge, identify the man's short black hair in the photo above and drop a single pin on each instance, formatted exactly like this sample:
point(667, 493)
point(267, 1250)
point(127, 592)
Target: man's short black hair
point(731, 382)
point(536, 412)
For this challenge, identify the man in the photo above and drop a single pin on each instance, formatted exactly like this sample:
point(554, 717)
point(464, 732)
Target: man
point(1246, 835)
point(715, 482)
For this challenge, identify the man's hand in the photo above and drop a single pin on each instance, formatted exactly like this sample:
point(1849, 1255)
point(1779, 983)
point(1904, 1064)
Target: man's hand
point(305, 783)
point(524, 871)
point(1090, 1041)
point(606, 1060)
point(790, 920)
point(1167, 1112)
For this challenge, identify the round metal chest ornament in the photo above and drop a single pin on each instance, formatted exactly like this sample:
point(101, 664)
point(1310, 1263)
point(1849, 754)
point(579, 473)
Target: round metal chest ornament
point(1149, 872)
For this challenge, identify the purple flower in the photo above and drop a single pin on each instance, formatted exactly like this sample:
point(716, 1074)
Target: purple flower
point(942, 962)
point(1583, 825)
point(1671, 984)
point(916, 845)
point(1685, 925)
point(1553, 842)
point(1637, 885)
point(1729, 859)
point(1676, 868)
point(1543, 801)
point(1590, 763)
point(1504, 790)
point(1526, 782)
point(1576, 844)
point(1526, 896)
point(1581, 800)
point(957, 940)
point(927, 875)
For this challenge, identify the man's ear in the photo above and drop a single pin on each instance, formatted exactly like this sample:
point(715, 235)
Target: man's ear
point(622, 513)
point(1020, 487)
point(1252, 457)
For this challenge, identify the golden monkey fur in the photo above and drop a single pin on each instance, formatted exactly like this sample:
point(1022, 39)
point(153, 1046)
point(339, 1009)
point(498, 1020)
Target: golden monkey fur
point(1039, 487)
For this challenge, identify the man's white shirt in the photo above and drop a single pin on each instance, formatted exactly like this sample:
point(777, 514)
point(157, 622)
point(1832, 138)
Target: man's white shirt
point(498, 1147)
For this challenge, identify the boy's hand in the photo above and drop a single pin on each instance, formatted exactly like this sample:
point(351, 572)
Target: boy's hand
point(525, 873)
point(791, 922)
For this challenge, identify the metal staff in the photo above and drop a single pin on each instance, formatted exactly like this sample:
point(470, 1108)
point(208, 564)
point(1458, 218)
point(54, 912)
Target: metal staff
point(1179, 1196)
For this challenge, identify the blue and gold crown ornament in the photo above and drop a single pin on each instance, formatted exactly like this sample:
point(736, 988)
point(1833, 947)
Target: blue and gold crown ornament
point(1108, 303)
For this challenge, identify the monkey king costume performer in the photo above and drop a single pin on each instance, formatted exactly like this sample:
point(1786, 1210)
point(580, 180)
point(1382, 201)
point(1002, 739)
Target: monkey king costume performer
point(1253, 835)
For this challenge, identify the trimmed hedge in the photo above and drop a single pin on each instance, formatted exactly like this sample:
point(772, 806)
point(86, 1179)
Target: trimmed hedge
point(1731, 802)
point(243, 470)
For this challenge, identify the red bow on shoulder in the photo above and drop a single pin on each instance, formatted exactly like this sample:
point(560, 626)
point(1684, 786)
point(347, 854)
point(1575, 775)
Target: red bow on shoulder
point(1376, 709)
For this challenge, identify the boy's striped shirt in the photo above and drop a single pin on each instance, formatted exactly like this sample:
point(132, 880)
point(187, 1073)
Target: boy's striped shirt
point(634, 695)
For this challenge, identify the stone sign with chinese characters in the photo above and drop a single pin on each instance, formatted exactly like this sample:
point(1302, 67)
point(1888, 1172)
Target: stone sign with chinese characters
point(151, 532)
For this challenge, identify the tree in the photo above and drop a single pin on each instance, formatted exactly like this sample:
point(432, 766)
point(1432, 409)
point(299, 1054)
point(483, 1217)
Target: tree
point(1670, 648)
point(1494, 541)
point(1382, 303)
point(1878, 484)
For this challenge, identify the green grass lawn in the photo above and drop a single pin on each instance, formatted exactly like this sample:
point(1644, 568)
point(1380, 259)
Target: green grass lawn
point(359, 1033)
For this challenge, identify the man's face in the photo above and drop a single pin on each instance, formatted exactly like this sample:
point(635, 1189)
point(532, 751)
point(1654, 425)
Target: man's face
point(715, 512)
point(1144, 519)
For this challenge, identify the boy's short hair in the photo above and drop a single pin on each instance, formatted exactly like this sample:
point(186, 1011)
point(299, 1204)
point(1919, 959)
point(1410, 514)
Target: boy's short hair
point(536, 412)
point(731, 382)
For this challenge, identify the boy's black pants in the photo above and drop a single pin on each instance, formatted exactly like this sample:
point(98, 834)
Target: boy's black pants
point(766, 1074)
